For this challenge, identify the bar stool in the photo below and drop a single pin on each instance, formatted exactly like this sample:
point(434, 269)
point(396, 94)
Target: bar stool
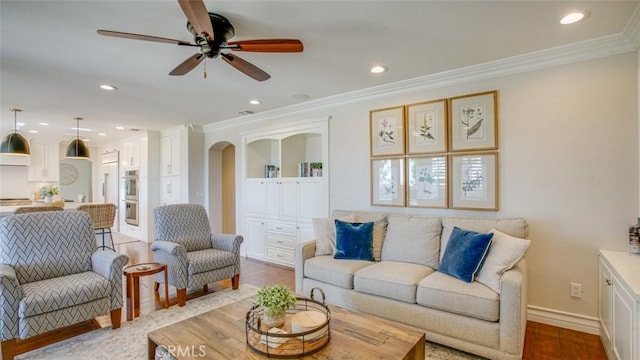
point(102, 216)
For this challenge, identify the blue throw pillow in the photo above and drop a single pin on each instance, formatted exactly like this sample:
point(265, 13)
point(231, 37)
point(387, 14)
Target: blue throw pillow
point(464, 254)
point(354, 240)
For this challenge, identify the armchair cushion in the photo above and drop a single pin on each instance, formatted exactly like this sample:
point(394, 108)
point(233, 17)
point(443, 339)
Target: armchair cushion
point(209, 259)
point(53, 294)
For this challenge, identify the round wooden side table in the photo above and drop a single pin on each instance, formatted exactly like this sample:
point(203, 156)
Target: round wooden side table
point(133, 274)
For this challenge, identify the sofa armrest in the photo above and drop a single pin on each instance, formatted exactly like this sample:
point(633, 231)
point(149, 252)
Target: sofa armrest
point(227, 242)
point(302, 252)
point(175, 256)
point(109, 265)
point(10, 296)
point(513, 308)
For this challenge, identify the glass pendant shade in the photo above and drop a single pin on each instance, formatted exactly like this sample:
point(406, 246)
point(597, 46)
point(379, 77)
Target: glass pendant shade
point(77, 148)
point(14, 143)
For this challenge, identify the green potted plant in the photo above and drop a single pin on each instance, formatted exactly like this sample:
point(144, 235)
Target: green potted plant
point(275, 300)
point(48, 191)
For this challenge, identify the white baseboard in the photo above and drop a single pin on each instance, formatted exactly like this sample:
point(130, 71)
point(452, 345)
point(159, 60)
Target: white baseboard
point(567, 320)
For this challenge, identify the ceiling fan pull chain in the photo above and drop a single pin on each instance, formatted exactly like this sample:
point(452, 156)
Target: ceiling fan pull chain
point(205, 68)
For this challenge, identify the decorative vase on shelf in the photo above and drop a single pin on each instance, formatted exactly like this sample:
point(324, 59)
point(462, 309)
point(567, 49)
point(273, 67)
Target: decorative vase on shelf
point(273, 320)
point(48, 199)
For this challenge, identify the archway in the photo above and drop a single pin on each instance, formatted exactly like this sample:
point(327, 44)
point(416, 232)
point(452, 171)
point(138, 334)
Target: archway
point(222, 188)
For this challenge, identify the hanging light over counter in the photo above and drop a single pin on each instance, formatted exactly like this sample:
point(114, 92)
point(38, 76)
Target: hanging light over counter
point(77, 149)
point(14, 143)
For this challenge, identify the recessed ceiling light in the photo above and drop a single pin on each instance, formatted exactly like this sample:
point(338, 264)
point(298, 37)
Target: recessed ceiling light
point(33, 131)
point(119, 128)
point(102, 134)
point(108, 87)
point(44, 124)
point(300, 96)
point(379, 69)
point(255, 102)
point(573, 17)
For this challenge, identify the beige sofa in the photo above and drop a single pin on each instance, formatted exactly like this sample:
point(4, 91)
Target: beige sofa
point(405, 285)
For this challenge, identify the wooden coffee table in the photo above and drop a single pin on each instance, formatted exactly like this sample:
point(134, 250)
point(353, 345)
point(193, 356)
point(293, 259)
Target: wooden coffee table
point(220, 334)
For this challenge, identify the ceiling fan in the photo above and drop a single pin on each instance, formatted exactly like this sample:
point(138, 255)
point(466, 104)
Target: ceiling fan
point(211, 32)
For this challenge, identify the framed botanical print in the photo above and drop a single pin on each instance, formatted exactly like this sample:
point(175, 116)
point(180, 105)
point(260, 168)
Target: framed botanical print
point(427, 127)
point(474, 181)
point(386, 131)
point(387, 182)
point(427, 181)
point(473, 122)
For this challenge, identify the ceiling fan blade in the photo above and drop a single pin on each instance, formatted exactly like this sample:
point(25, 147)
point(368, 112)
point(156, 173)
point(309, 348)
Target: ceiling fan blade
point(143, 37)
point(246, 67)
point(188, 64)
point(196, 13)
point(267, 45)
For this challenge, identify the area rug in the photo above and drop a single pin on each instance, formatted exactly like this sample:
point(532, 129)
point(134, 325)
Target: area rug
point(130, 341)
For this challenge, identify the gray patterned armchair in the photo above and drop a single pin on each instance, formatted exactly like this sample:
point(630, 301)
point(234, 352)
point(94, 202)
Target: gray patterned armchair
point(194, 256)
point(52, 275)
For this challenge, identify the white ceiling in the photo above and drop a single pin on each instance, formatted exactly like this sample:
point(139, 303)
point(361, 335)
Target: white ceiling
point(52, 60)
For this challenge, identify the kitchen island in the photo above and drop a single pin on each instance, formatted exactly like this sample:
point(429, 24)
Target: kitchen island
point(9, 210)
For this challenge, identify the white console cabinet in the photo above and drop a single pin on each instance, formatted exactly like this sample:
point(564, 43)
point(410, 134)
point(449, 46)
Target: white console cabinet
point(278, 209)
point(619, 304)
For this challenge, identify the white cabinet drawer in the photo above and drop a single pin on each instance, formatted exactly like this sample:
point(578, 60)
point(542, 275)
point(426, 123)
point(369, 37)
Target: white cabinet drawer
point(279, 255)
point(280, 241)
point(282, 228)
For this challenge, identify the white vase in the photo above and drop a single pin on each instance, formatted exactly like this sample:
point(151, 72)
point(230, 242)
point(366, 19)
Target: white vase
point(48, 199)
point(273, 321)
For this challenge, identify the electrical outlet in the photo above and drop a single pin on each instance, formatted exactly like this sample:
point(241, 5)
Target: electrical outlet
point(576, 290)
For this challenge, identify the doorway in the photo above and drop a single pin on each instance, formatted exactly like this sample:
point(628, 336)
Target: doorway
point(222, 188)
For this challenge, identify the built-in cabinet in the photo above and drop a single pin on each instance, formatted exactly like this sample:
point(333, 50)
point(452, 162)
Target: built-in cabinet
point(45, 162)
point(619, 304)
point(170, 171)
point(279, 209)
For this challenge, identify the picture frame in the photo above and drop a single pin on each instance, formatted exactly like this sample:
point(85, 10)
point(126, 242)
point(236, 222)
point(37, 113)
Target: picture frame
point(427, 127)
point(474, 181)
point(427, 181)
point(473, 122)
point(388, 182)
point(386, 131)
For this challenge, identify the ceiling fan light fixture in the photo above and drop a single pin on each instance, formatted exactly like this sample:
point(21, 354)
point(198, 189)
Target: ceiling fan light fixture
point(574, 17)
point(77, 149)
point(14, 143)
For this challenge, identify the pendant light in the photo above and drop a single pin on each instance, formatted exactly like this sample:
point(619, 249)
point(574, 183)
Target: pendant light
point(77, 148)
point(14, 143)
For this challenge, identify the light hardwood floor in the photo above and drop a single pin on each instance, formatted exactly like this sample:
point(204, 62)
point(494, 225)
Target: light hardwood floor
point(542, 342)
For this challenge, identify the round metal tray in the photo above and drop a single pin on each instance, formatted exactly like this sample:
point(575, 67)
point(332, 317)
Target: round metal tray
point(288, 345)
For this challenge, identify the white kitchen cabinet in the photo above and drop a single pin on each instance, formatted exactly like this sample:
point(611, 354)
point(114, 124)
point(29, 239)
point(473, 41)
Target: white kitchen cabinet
point(619, 304)
point(170, 190)
point(254, 238)
point(285, 204)
point(130, 156)
point(170, 155)
point(45, 162)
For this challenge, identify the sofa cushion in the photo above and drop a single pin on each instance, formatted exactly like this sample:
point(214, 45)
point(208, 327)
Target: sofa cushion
point(391, 279)
point(209, 259)
point(505, 251)
point(332, 271)
point(354, 241)
point(464, 254)
point(413, 239)
point(443, 292)
point(324, 230)
point(379, 226)
point(49, 295)
point(515, 227)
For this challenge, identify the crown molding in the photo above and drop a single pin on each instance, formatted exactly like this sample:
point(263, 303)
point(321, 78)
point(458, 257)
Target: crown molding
point(561, 55)
point(632, 28)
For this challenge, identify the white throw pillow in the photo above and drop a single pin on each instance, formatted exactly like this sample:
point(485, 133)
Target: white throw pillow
point(505, 251)
point(324, 230)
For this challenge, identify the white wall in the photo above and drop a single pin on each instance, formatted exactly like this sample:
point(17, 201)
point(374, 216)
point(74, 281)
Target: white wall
point(569, 165)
